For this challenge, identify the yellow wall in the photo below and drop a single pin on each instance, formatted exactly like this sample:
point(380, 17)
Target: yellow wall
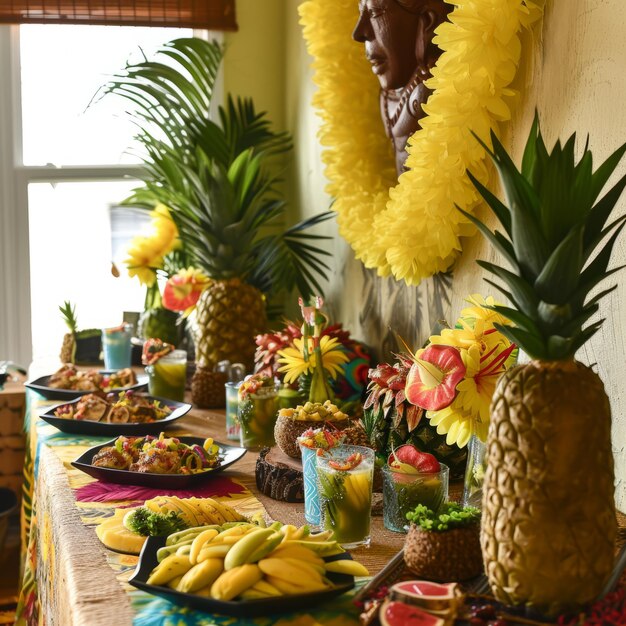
point(254, 60)
point(578, 83)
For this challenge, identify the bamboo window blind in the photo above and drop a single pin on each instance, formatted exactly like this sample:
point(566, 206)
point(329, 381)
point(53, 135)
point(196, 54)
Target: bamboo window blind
point(208, 14)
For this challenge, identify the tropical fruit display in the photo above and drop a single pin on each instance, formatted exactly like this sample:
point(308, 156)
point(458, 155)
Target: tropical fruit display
point(391, 421)
point(293, 422)
point(549, 527)
point(218, 181)
point(242, 561)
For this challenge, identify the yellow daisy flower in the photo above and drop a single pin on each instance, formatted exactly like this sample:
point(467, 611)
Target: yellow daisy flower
point(295, 364)
point(146, 253)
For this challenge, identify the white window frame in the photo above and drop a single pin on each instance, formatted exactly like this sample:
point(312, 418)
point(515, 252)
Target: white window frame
point(15, 303)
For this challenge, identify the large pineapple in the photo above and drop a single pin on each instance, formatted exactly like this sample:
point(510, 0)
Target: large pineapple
point(219, 184)
point(549, 527)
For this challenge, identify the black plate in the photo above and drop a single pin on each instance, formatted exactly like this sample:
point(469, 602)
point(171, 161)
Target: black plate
point(40, 385)
point(238, 608)
point(89, 427)
point(229, 454)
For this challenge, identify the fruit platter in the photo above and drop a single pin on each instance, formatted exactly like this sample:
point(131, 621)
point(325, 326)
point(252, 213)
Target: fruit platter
point(158, 462)
point(68, 382)
point(244, 570)
point(119, 412)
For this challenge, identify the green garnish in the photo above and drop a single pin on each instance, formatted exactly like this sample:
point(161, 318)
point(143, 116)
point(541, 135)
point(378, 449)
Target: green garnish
point(143, 521)
point(450, 515)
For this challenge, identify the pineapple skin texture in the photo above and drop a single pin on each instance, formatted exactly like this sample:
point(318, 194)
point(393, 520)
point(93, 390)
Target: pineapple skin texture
point(229, 314)
point(548, 526)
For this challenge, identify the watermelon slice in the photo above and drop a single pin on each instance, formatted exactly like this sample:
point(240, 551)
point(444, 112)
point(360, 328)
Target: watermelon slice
point(433, 377)
point(393, 613)
point(433, 597)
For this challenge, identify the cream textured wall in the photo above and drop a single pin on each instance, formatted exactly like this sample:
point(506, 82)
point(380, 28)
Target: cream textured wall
point(578, 83)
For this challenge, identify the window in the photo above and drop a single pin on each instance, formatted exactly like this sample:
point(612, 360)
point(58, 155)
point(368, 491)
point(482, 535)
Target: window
point(64, 168)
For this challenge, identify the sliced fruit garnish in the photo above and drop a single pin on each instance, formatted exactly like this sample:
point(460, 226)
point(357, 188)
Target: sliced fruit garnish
point(349, 464)
point(433, 377)
point(154, 349)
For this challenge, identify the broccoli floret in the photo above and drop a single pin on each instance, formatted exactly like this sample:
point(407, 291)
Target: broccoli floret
point(143, 521)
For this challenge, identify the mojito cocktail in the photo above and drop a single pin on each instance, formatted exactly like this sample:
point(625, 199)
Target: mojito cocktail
point(167, 376)
point(345, 476)
point(257, 412)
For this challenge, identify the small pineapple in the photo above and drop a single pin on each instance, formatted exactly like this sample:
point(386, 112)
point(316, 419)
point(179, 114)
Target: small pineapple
point(68, 348)
point(549, 527)
point(161, 323)
point(207, 388)
point(355, 435)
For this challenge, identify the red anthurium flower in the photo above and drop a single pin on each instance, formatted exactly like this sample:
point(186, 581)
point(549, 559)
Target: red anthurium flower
point(434, 375)
point(183, 290)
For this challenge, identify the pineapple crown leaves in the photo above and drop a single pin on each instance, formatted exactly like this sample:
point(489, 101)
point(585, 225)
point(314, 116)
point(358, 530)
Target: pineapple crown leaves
point(217, 177)
point(69, 315)
point(556, 240)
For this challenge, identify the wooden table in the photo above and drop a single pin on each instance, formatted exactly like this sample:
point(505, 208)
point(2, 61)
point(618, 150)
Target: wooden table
point(85, 591)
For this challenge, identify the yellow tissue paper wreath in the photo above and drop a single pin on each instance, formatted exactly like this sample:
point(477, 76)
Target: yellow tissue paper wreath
point(409, 227)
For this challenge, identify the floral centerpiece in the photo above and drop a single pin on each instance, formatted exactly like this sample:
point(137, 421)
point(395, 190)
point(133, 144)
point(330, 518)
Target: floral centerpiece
point(454, 377)
point(350, 382)
point(313, 358)
point(313, 361)
point(391, 421)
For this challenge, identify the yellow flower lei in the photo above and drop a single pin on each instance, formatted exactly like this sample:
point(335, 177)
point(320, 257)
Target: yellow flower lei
point(410, 227)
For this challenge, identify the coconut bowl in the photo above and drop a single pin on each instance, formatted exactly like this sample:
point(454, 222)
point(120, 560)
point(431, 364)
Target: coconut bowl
point(446, 556)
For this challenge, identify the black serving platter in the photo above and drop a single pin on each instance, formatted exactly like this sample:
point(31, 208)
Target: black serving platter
point(229, 455)
point(40, 385)
point(237, 608)
point(90, 427)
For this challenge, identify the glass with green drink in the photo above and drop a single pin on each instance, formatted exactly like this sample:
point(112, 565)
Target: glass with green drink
point(257, 411)
point(345, 476)
point(167, 376)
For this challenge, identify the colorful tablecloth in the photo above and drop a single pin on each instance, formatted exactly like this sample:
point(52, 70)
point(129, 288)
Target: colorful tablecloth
point(61, 506)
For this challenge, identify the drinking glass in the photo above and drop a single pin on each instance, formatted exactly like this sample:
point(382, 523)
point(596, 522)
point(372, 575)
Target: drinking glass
point(168, 376)
point(257, 415)
point(309, 473)
point(116, 346)
point(232, 404)
point(402, 492)
point(346, 494)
